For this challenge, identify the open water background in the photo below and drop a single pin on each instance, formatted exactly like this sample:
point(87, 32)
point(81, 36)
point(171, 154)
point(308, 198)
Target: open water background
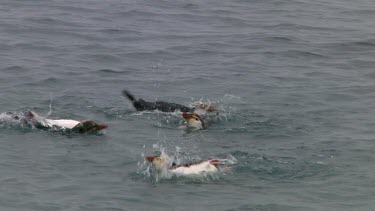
point(295, 80)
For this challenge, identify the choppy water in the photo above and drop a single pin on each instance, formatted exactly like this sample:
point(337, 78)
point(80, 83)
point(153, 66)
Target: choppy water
point(295, 80)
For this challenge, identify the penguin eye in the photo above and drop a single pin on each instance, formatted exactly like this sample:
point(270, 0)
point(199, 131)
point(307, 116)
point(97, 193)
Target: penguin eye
point(196, 119)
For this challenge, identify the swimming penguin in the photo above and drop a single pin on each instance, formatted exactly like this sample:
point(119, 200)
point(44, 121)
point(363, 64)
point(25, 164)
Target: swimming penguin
point(195, 169)
point(34, 120)
point(142, 105)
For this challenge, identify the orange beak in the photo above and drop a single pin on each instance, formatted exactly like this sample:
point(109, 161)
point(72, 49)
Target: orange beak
point(103, 126)
point(215, 162)
point(150, 158)
point(187, 115)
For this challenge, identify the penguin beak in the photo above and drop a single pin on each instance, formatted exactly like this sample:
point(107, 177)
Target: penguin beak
point(215, 162)
point(102, 126)
point(150, 158)
point(187, 115)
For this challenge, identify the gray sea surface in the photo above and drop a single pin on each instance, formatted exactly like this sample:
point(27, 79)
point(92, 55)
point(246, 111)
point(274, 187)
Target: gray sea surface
point(294, 81)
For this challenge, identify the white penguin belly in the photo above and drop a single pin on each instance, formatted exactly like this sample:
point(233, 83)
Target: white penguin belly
point(64, 123)
point(196, 169)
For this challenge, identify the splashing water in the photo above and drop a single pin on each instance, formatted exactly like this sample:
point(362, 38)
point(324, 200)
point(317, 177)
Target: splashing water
point(147, 170)
point(10, 119)
point(50, 105)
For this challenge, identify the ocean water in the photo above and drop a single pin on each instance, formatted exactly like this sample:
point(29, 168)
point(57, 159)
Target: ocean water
point(294, 81)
